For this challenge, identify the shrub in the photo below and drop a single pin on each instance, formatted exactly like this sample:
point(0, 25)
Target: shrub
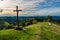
point(7, 25)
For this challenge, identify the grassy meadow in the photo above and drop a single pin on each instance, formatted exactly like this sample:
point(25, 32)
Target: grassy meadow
point(38, 31)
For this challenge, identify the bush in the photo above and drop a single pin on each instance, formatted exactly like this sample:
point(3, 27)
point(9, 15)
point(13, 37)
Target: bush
point(49, 18)
point(7, 25)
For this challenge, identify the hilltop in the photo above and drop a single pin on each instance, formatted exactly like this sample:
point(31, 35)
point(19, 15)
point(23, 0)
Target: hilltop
point(38, 31)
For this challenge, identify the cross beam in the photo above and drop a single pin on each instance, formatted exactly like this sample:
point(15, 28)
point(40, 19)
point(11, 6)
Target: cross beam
point(17, 11)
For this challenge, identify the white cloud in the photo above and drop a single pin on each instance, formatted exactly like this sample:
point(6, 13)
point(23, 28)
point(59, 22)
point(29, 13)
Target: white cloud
point(29, 3)
point(9, 3)
point(28, 6)
point(22, 3)
point(50, 11)
point(33, 0)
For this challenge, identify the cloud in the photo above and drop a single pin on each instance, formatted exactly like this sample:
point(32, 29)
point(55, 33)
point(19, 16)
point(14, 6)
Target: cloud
point(9, 3)
point(33, 7)
point(33, 0)
point(29, 3)
point(46, 7)
point(44, 12)
point(50, 10)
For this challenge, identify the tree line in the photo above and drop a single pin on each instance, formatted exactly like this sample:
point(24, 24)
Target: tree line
point(27, 22)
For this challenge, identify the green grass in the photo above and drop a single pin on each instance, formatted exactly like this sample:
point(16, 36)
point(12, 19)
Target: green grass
point(50, 32)
point(39, 31)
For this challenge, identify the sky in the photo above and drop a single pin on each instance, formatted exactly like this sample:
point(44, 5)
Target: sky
point(30, 7)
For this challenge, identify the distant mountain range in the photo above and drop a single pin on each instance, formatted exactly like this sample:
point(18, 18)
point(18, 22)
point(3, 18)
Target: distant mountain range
point(22, 18)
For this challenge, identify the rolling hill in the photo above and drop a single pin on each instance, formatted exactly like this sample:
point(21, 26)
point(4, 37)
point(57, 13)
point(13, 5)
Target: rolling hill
point(38, 31)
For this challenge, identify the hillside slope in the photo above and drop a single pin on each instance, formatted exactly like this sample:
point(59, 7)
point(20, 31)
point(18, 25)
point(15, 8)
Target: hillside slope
point(39, 31)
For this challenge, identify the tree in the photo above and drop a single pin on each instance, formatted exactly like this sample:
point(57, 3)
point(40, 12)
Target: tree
point(49, 18)
point(7, 25)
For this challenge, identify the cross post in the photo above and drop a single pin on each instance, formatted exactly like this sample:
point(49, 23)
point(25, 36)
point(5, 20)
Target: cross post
point(17, 11)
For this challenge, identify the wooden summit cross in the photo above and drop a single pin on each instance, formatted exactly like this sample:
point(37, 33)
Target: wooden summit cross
point(17, 10)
